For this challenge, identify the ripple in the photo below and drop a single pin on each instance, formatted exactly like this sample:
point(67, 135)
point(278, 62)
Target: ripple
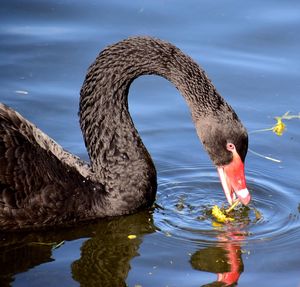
point(276, 203)
point(187, 194)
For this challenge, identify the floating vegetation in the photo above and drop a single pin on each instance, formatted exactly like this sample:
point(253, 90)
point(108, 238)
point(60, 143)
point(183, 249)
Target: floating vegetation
point(180, 204)
point(258, 215)
point(131, 236)
point(233, 206)
point(238, 215)
point(219, 215)
point(264, 156)
point(278, 129)
point(280, 126)
point(21, 92)
point(54, 245)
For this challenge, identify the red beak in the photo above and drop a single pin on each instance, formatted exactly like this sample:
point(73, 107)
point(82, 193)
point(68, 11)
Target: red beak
point(233, 180)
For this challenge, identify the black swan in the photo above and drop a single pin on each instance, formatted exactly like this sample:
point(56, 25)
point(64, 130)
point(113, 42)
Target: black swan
point(43, 185)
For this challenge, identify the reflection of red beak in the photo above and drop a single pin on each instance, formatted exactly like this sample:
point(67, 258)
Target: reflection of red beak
point(234, 260)
point(233, 180)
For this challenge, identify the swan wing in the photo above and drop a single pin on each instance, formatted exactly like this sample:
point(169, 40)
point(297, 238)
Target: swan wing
point(37, 177)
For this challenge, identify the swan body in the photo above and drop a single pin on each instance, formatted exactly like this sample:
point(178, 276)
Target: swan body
point(43, 185)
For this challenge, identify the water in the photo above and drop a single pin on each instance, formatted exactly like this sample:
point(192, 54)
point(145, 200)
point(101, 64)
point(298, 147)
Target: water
point(251, 52)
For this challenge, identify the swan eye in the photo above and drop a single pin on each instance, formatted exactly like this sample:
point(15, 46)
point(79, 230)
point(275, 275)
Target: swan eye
point(230, 146)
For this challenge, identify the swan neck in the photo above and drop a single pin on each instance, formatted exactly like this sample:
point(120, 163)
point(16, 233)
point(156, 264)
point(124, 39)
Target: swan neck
point(107, 127)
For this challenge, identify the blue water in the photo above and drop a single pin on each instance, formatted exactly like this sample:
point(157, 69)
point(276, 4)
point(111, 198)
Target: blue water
point(250, 50)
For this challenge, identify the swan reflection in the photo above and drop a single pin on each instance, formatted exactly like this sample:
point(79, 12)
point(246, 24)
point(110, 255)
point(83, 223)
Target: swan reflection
point(224, 259)
point(106, 255)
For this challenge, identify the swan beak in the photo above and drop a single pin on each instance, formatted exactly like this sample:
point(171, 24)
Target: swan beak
point(233, 181)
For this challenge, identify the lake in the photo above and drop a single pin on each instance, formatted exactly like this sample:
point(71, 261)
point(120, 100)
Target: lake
point(250, 50)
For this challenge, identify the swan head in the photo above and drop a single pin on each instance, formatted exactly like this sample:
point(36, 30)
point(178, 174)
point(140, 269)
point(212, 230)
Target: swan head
point(226, 141)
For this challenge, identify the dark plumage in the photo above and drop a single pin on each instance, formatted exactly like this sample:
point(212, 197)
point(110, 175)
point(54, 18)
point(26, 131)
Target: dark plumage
point(42, 185)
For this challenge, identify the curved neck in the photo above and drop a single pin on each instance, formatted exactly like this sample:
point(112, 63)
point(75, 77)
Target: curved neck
point(108, 130)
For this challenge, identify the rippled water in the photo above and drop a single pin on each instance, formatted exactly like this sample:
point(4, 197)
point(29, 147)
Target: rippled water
point(251, 52)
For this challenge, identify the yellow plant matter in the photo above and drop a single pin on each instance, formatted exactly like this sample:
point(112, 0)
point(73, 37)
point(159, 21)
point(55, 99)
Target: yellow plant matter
point(219, 215)
point(131, 236)
point(279, 127)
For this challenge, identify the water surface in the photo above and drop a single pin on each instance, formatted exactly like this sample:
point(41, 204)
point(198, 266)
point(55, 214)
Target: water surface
point(251, 52)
